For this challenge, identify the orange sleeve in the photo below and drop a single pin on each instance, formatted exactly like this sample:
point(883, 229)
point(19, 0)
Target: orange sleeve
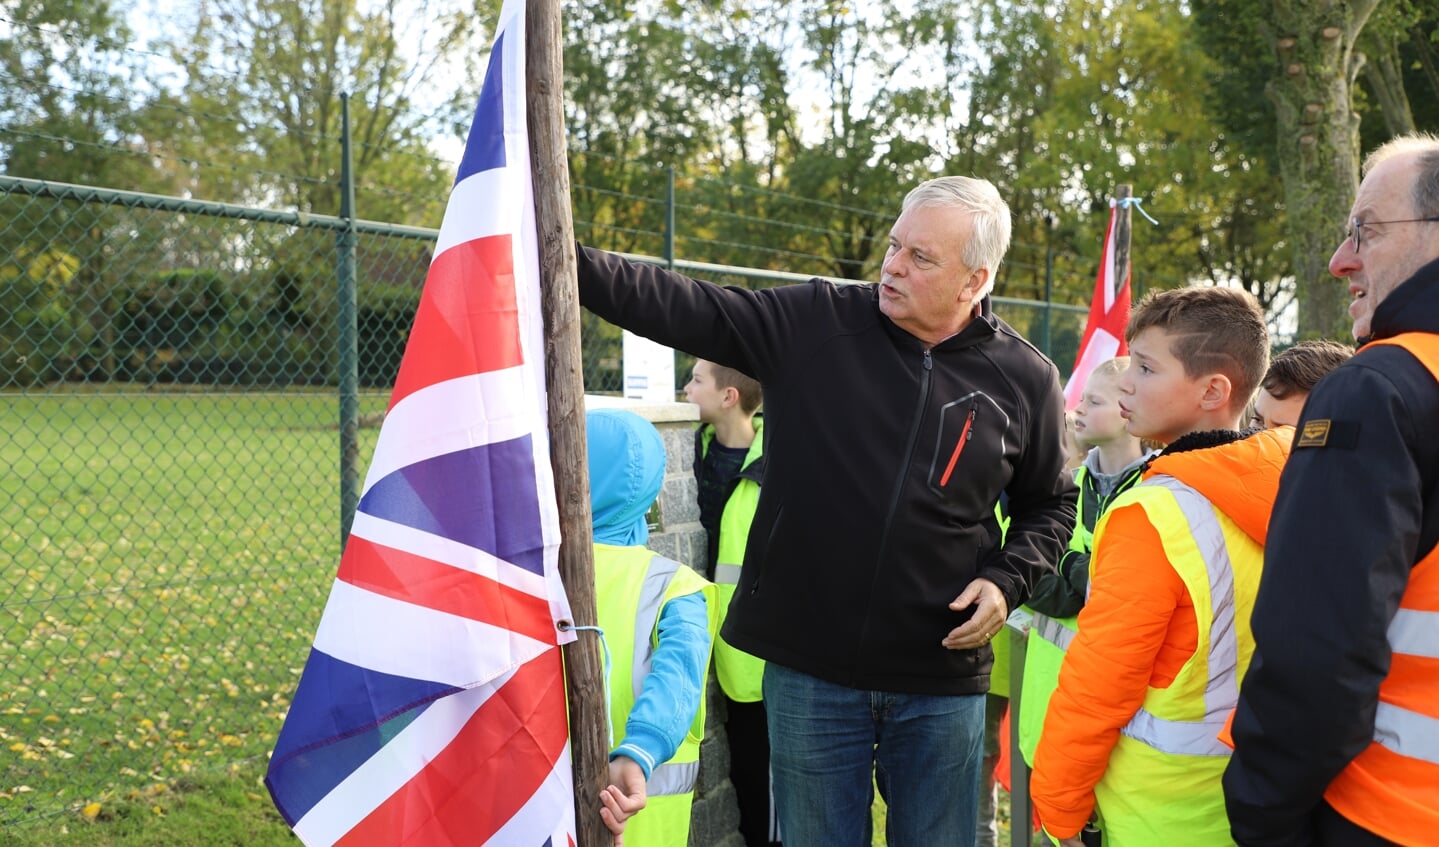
point(1132, 633)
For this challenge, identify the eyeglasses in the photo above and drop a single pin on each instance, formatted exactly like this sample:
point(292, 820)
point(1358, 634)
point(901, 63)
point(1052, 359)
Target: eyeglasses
point(1355, 235)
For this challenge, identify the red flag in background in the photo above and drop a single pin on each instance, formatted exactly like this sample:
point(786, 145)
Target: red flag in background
point(1108, 315)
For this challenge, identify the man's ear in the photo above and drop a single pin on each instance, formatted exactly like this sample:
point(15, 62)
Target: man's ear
point(1217, 392)
point(973, 285)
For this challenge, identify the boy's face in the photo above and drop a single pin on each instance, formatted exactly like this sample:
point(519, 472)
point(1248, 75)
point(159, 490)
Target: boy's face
point(702, 391)
point(1270, 411)
point(1097, 419)
point(1156, 397)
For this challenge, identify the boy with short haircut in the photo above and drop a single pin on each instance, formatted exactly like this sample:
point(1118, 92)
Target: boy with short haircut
point(1112, 464)
point(1291, 377)
point(1130, 737)
point(658, 646)
point(729, 468)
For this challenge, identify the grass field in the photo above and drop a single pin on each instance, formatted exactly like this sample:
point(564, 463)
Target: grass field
point(167, 558)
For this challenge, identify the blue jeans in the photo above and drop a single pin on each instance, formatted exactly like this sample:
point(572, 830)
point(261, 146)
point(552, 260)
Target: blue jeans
point(829, 745)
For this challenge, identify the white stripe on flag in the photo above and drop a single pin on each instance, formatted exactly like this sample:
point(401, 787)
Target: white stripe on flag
point(536, 820)
point(486, 205)
point(1101, 347)
point(441, 549)
point(405, 645)
point(455, 415)
point(395, 764)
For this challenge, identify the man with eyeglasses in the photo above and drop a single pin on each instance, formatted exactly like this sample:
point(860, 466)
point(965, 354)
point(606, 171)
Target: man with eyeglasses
point(1336, 735)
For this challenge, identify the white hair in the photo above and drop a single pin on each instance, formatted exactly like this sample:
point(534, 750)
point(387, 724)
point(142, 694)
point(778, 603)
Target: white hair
point(989, 238)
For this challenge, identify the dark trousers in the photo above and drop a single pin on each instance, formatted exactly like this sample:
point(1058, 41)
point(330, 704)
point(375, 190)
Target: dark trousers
point(1334, 830)
point(748, 732)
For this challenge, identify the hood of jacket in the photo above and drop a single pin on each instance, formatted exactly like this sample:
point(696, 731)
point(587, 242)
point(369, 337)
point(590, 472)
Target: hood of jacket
point(1237, 472)
point(627, 468)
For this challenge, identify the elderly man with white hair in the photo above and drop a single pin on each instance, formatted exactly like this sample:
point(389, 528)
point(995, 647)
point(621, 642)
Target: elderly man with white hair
point(897, 413)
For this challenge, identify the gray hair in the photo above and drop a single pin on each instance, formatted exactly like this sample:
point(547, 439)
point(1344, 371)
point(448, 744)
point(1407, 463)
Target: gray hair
point(1425, 194)
point(989, 240)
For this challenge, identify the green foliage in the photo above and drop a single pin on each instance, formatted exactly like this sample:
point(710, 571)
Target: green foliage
point(383, 317)
point(1074, 99)
point(35, 317)
point(172, 309)
point(260, 111)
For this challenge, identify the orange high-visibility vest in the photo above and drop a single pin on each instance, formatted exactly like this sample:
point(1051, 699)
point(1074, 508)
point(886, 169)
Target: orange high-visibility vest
point(1392, 788)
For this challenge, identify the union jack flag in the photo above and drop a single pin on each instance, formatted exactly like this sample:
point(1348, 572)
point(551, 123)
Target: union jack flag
point(431, 710)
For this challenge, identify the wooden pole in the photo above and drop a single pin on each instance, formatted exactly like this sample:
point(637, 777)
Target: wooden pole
point(560, 304)
point(1121, 235)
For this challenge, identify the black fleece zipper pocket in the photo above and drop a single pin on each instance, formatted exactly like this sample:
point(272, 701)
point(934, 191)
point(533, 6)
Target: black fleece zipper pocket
point(965, 434)
point(972, 417)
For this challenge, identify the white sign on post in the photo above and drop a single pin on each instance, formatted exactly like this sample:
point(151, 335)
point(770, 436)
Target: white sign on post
point(649, 369)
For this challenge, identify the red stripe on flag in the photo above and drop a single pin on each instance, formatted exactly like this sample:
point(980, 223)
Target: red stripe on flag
point(496, 762)
point(467, 322)
point(436, 585)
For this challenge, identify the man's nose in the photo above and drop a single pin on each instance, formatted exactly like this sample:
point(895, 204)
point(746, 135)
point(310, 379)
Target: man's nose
point(1345, 260)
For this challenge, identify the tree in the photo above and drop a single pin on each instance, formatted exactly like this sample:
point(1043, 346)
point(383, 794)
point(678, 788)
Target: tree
point(1068, 100)
point(75, 112)
point(1318, 141)
point(261, 108)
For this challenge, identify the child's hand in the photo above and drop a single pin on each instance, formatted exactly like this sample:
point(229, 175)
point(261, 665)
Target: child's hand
point(624, 796)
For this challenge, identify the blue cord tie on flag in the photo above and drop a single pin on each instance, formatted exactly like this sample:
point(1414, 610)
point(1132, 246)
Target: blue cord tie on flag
point(1137, 203)
point(566, 626)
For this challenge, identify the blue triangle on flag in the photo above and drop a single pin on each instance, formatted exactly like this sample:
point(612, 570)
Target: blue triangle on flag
point(341, 716)
point(484, 497)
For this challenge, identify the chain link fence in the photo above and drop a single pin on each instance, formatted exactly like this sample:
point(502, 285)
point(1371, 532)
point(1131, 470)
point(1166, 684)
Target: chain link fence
point(170, 511)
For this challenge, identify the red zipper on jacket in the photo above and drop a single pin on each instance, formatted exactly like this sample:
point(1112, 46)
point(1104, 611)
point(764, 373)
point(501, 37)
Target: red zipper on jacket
point(958, 447)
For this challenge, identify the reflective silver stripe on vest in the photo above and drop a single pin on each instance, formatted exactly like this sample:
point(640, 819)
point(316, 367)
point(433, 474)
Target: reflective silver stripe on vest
point(652, 595)
point(673, 778)
point(1415, 633)
point(1407, 733)
point(1052, 631)
point(1221, 691)
point(727, 574)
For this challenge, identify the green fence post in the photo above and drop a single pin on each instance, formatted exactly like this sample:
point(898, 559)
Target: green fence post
point(670, 221)
point(349, 376)
point(1044, 337)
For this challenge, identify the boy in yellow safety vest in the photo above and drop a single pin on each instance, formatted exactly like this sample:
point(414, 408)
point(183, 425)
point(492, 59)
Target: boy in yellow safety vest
point(729, 468)
point(659, 618)
point(1131, 734)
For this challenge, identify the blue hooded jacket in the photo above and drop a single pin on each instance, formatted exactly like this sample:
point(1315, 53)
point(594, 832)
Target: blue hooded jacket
point(627, 468)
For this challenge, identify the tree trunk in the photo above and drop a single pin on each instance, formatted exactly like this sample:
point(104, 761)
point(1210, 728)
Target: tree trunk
point(1385, 75)
point(1424, 48)
point(1318, 144)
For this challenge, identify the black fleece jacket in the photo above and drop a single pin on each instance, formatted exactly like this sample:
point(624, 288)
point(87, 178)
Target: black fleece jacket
point(1353, 516)
point(884, 462)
